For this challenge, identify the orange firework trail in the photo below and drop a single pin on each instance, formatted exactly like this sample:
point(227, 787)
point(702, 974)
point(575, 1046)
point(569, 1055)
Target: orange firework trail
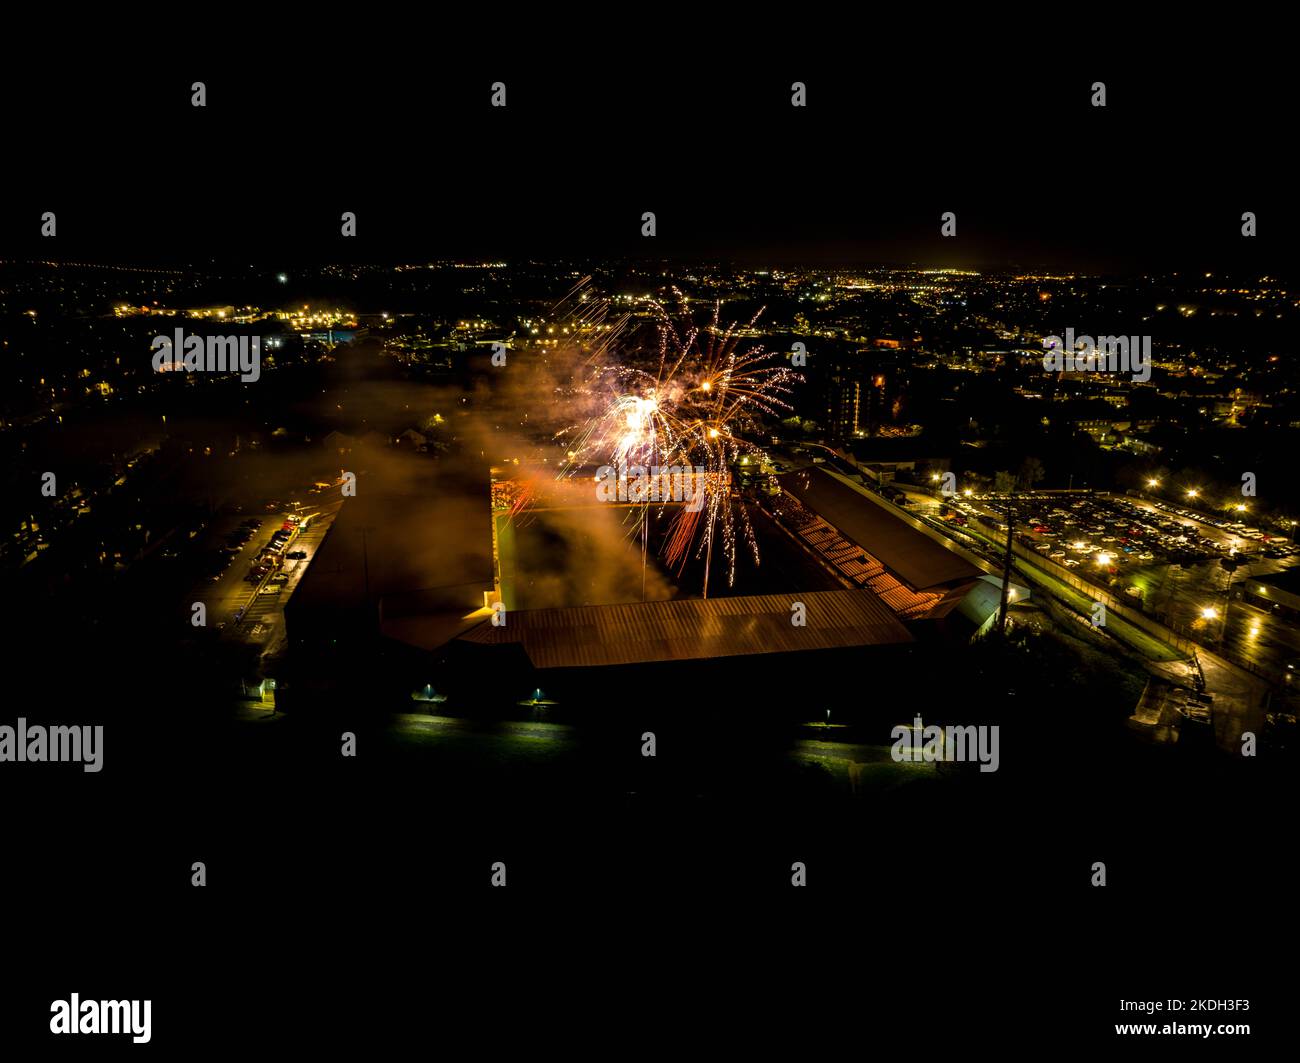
point(689, 407)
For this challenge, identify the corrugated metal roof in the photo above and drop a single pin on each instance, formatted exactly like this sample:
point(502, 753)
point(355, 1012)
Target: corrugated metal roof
point(909, 553)
point(693, 629)
point(380, 545)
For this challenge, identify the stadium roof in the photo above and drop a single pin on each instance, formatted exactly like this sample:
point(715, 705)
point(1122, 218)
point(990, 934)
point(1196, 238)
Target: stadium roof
point(415, 551)
point(921, 562)
point(692, 629)
point(1288, 580)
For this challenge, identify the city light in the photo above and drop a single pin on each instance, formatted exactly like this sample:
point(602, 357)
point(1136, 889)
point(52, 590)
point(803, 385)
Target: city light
point(686, 492)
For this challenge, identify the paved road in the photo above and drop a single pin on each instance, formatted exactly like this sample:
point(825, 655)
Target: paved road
point(1179, 596)
point(263, 618)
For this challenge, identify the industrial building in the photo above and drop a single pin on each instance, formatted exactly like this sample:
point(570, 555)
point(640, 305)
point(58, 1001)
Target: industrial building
point(415, 618)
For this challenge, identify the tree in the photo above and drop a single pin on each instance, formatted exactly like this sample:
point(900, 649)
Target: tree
point(1031, 471)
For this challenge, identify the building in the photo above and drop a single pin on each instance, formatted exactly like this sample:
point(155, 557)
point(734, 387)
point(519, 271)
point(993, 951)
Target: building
point(909, 553)
point(395, 564)
point(686, 652)
point(389, 607)
point(1278, 593)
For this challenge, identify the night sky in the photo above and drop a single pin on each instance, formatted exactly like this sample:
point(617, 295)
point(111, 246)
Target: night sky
point(1037, 176)
point(610, 114)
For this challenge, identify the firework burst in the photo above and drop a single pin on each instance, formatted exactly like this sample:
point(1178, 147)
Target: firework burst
point(688, 401)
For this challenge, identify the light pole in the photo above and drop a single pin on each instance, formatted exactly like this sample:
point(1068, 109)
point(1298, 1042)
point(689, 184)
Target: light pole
point(1006, 565)
point(1227, 600)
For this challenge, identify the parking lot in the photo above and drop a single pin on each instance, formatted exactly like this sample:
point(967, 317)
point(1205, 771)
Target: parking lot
point(1112, 537)
point(1179, 566)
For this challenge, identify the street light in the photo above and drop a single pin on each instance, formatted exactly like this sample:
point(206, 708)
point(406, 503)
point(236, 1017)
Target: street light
point(1209, 613)
point(1153, 483)
point(1192, 492)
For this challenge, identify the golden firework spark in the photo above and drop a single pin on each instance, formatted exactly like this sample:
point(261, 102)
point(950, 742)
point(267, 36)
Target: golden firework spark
point(688, 402)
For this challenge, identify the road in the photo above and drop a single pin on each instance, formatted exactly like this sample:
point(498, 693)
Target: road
point(1178, 596)
point(263, 619)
